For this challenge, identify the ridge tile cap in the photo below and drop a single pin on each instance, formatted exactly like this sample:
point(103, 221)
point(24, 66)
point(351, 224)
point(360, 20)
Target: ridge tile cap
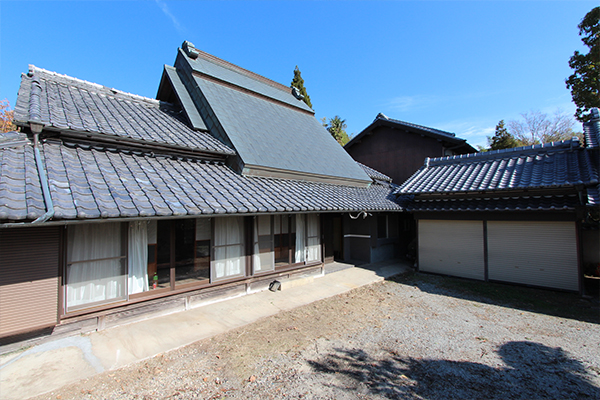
point(87, 85)
point(523, 150)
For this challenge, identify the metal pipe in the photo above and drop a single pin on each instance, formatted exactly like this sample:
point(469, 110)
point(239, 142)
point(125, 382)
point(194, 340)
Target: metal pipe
point(44, 183)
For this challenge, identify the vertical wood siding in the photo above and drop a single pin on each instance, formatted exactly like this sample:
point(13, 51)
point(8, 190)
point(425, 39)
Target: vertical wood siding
point(29, 265)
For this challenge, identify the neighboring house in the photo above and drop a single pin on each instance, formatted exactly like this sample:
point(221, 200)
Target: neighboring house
point(398, 148)
point(527, 215)
point(115, 206)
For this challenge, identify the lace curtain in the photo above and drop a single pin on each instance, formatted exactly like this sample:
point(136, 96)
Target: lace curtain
point(300, 239)
point(265, 260)
point(95, 264)
point(312, 234)
point(229, 247)
point(138, 257)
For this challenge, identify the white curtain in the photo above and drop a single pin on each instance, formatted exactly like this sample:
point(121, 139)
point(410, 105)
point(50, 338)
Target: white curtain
point(264, 261)
point(95, 271)
point(229, 247)
point(300, 239)
point(138, 257)
point(313, 242)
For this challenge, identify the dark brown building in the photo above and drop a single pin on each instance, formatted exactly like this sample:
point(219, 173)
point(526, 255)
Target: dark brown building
point(398, 148)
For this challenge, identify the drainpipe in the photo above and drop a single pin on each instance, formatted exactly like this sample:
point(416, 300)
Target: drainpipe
point(36, 128)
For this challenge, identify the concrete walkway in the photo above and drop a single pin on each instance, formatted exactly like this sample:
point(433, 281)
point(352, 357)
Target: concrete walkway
point(55, 363)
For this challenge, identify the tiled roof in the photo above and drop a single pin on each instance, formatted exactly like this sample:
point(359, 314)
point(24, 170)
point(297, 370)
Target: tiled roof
point(374, 174)
point(12, 139)
point(20, 191)
point(87, 182)
point(591, 130)
point(210, 65)
point(558, 164)
point(382, 119)
point(268, 127)
point(500, 203)
point(433, 131)
point(69, 104)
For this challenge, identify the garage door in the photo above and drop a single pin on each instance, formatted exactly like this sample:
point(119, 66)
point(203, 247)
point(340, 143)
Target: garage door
point(452, 248)
point(533, 253)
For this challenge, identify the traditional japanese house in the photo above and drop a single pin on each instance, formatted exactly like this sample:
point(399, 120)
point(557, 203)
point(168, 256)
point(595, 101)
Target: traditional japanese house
point(115, 207)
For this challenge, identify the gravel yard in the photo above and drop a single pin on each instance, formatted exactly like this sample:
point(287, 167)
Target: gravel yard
point(412, 337)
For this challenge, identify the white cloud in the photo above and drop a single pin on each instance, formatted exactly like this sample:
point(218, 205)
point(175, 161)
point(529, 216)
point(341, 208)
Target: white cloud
point(475, 131)
point(405, 104)
point(165, 9)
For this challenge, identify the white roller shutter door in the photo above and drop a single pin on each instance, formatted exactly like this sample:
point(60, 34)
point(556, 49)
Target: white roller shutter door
point(540, 253)
point(452, 248)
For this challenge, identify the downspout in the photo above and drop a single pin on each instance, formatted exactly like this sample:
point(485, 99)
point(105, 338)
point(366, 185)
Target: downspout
point(36, 128)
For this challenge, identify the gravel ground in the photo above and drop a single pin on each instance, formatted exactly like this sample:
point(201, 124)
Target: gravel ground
point(406, 339)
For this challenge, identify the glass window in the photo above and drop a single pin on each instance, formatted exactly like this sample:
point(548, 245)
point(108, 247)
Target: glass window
point(162, 277)
point(138, 257)
point(202, 257)
point(300, 255)
point(313, 241)
point(263, 258)
point(229, 258)
point(185, 251)
point(96, 265)
point(284, 239)
point(179, 249)
point(152, 254)
point(182, 252)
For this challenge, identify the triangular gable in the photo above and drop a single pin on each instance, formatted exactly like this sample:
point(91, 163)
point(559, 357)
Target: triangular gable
point(274, 133)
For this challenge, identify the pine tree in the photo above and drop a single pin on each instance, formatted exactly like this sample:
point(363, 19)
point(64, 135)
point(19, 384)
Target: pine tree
point(337, 129)
point(585, 81)
point(298, 83)
point(502, 139)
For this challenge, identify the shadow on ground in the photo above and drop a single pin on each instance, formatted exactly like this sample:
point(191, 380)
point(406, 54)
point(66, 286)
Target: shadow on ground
point(543, 301)
point(531, 371)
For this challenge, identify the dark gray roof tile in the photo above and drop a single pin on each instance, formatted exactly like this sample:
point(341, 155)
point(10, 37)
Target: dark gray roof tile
point(272, 135)
point(383, 120)
point(374, 174)
point(559, 164)
point(67, 103)
point(492, 203)
point(591, 129)
point(95, 184)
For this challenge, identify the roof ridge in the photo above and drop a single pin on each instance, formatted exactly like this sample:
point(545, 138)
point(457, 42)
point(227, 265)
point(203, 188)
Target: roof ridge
point(243, 71)
point(385, 117)
point(550, 146)
point(591, 129)
point(372, 171)
point(33, 70)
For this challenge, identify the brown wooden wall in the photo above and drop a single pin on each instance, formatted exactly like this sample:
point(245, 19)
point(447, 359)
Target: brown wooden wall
point(394, 152)
point(29, 268)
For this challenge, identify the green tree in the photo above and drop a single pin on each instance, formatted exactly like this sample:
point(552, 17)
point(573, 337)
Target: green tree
point(298, 83)
point(337, 127)
point(585, 81)
point(502, 138)
point(6, 117)
point(537, 127)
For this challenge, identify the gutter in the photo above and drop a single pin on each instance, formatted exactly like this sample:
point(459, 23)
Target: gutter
point(36, 128)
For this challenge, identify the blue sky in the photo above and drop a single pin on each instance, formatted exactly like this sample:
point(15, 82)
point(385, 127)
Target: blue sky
point(456, 66)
